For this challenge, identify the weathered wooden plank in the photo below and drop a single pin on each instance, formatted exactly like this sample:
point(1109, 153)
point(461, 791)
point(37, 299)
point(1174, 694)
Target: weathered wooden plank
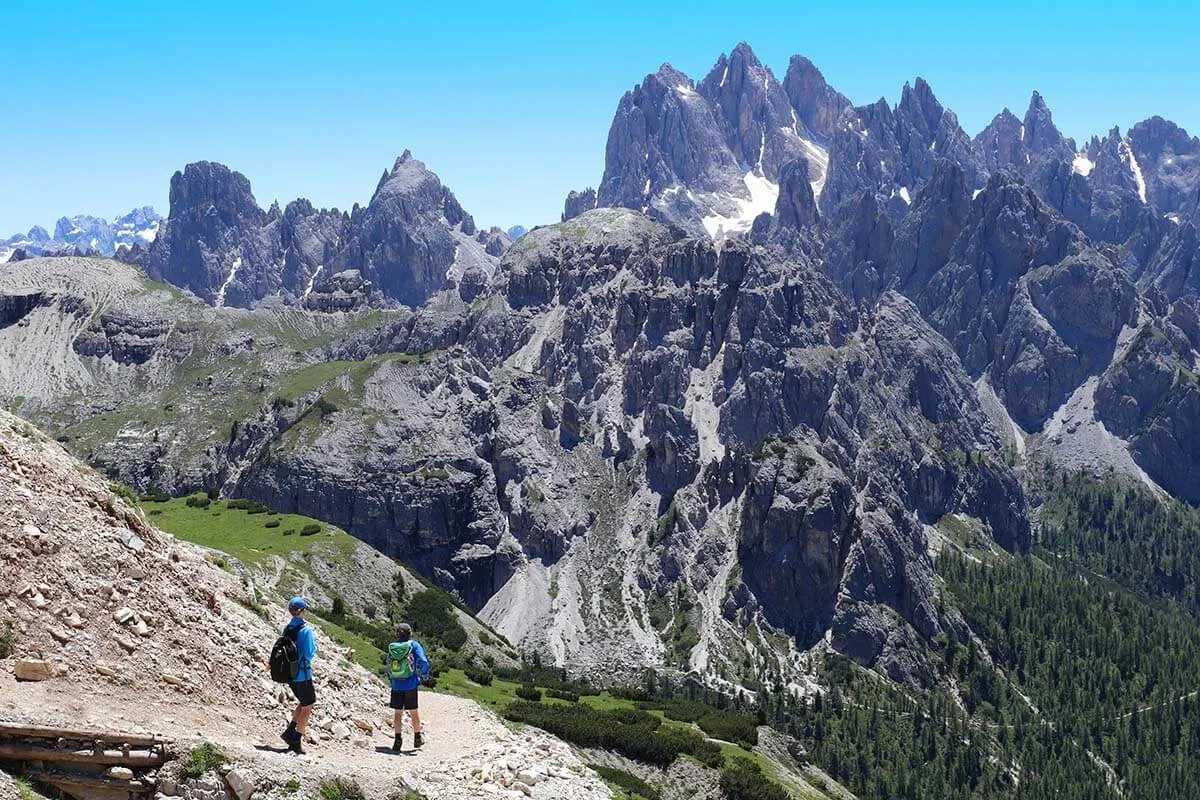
point(29, 752)
point(90, 781)
point(12, 730)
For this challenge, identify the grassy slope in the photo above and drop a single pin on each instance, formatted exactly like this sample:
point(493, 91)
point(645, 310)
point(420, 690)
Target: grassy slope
point(245, 537)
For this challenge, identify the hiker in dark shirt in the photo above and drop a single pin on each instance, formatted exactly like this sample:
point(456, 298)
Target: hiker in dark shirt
point(407, 667)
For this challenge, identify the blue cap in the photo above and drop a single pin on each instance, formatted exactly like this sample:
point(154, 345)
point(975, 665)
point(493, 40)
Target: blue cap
point(297, 603)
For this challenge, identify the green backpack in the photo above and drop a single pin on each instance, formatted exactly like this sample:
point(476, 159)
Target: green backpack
point(401, 662)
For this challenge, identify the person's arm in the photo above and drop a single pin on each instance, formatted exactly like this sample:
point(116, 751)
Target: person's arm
point(310, 644)
point(422, 660)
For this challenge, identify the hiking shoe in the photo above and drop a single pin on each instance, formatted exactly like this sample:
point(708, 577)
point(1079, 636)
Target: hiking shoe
point(294, 741)
point(287, 733)
point(418, 740)
point(397, 744)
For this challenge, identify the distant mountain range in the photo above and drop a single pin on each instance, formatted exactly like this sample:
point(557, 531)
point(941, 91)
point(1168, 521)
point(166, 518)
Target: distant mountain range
point(85, 235)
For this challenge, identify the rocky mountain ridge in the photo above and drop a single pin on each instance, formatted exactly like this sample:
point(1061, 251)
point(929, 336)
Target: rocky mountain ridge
point(411, 240)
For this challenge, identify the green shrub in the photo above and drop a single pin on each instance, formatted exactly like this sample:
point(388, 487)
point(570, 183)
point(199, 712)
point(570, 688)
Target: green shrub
point(340, 789)
point(271, 523)
point(124, 492)
point(249, 506)
point(531, 693)
point(198, 501)
point(292, 786)
point(481, 675)
point(6, 643)
point(310, 529)
point(431, 613)
point(630, 693)
point(630, 732)
point(744, 780)
point(201, 759)
point(730, 726)
point(288, 531)
point(214, 493)
point(634, 786)
point(562, 694)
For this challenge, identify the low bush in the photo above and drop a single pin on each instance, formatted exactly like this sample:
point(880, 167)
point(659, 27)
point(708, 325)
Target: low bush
point(288, 531)
point(744, 780)
point(6, 643)
point(249, 506)
point(311, 529)
point(631, 693)
point(481, 675)
point(730, 727)
point(630, 732)
point(271, 523)
point(201, 759)
point(562, 694)
point(527, 692)
point(634, 786)
point(340, 789)
point(198, 501)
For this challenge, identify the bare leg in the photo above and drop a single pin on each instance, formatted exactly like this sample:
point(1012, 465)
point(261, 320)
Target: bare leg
point(398, 721)
point(301, 718)
point(416, 720)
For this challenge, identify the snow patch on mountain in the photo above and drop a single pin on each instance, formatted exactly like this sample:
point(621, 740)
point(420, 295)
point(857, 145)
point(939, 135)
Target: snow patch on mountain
point(1130, 160)
point(1082, 165)
point(233, 268)
point(763, 196)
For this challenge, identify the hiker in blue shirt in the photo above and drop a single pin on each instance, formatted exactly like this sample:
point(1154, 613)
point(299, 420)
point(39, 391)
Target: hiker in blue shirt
point(407, 668)
point(302, 686)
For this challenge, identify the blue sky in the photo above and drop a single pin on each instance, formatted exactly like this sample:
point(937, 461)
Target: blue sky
point(509, 104)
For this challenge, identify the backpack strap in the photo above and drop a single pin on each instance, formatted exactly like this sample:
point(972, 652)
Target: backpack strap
point(293, 631)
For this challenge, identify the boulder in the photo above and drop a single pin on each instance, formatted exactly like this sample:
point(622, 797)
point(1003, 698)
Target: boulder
point(30, 669)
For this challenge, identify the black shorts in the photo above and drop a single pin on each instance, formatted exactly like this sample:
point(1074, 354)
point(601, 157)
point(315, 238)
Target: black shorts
point(304, 692)
point(404, 699)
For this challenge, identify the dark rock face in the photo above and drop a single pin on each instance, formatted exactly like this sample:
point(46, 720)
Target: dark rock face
point(579, 202)
point(129, 339)
point(796, 208)
point(1024, 146)
point(408, 242)
point(817, 104)
point(1175, 270)
point(14, 307)
point(1169, 160)
point(1151, 396)
point(1008, 232)
point(401, 241)
point(215, 230)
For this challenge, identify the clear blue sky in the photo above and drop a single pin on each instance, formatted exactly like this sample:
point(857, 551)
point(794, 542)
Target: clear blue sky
point(509, 103)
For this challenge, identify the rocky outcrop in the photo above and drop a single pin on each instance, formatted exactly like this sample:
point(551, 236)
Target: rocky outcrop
point(412, 240)
point(14, 307)
point(817, 104)
point(579, 202)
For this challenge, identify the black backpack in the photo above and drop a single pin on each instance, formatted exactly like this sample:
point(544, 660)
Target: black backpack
point(285, 656)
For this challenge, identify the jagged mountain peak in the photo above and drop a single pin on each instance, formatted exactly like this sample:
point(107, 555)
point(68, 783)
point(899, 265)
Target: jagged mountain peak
point(1041, 135)
point(817, 103)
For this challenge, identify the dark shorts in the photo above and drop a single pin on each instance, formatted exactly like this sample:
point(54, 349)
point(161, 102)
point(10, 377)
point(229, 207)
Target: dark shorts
point(404, 699)
point(304, 692)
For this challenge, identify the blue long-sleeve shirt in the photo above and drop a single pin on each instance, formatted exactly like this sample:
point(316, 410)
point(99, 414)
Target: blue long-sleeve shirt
point(422, 670)
point(306, 645)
